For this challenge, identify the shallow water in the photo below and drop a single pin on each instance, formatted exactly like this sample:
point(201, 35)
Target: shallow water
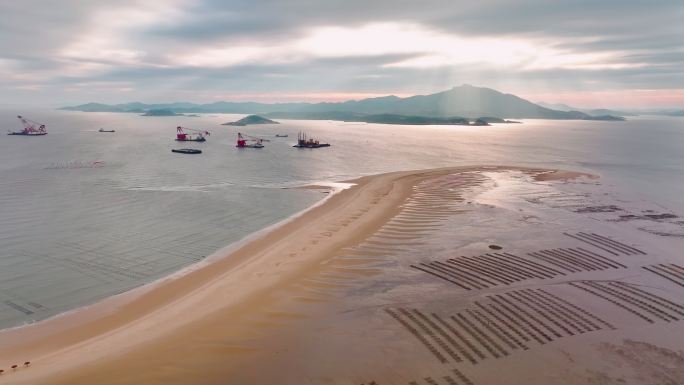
point(74, 231)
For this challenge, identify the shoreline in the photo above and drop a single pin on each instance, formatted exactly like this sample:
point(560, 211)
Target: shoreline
point(330, 189)
point(248, 271)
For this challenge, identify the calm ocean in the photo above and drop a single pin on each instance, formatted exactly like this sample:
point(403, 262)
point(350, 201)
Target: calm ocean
point(86, 215)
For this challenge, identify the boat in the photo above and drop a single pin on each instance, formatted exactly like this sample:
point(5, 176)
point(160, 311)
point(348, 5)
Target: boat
point(103, 130)
point(281, 135)
point(303, 141)
point(187, 150)
point(184, 134)
point(246, 141)
point(31, 128)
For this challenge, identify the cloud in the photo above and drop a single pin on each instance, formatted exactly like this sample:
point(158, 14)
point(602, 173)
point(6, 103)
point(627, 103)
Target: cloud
point(155, 49)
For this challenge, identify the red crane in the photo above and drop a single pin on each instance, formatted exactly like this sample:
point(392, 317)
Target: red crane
point(255, 142)
point(31, 128)
point(184, 134)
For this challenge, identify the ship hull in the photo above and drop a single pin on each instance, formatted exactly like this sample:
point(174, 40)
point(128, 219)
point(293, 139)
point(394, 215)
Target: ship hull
point(26, 134)
point(187, 151)
point(191, 140)
point(312, 145)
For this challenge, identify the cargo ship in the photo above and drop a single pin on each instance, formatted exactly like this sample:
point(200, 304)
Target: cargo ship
point(303, 141)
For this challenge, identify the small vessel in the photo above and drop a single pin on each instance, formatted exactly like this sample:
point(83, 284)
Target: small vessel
point(31, 128)
point(187, 150)
point(246, 141)
point(281, 135)
point(103, 130)
point(303, 141)
point(184, 134)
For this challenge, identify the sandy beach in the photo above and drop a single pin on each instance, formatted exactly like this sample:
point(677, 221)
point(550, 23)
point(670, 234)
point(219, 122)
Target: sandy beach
point(202, 192)
point(358, 290)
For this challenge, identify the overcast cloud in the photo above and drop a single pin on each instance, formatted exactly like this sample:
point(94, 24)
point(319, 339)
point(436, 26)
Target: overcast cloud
point(600, 53)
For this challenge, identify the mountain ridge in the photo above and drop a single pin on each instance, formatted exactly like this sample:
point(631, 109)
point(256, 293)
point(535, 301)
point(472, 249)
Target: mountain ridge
point(590, 111)
point(463, 101)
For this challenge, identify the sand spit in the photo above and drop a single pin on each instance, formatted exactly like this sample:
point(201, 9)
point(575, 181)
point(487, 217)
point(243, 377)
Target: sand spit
point(392, 281)
point(113, 327)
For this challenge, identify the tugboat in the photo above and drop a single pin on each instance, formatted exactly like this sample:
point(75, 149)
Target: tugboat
point(187, 151)
point(246, 141)
point(31, 128)
point(184, 134)
point(303, 141)
point(103, 130)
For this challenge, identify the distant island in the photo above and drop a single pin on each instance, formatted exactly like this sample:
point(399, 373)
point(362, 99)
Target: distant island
point(595, 112)
point(609, 118)
point(491, 119)
point(464, 101)
point(251, 119)
point(413, 120)
point(161, 112)
point(388, 118)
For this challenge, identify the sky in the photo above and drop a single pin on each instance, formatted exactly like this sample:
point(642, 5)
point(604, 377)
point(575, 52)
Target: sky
point(586, 53)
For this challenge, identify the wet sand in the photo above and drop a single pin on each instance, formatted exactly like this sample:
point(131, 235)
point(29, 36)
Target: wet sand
point(351, 292)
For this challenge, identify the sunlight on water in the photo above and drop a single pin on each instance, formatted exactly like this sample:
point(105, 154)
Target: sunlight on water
point(86, 215)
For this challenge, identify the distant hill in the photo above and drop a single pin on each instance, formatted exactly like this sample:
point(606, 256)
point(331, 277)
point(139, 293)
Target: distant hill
point(464, 101)
point(217, 107)
point(322, 115)
point(251, 119)
point(410, 120)
point(605, 112)
point(161, 112)
point(558, 106)
point(388, 118)
point(491, 119)
point(609, 118)
point(598, 111)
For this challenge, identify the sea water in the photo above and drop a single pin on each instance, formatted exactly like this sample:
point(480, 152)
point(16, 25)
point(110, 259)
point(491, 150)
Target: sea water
point(86, 215)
